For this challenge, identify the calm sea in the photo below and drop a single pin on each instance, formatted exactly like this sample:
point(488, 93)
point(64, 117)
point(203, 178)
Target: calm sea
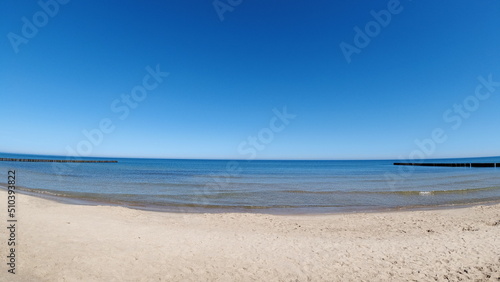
point(258, 185)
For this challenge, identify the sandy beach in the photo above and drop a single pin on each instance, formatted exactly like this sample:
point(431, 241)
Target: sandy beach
point(62, 242)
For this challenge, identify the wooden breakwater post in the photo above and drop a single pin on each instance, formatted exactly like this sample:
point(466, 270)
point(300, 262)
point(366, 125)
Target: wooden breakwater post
point(453, 164)
point(55, 161)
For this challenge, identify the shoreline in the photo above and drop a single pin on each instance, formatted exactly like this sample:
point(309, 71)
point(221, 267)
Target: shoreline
point(271, 210)
point(293, 211)
point(112, 243)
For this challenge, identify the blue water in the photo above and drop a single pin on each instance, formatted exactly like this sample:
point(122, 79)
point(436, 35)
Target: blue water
point(198, 185)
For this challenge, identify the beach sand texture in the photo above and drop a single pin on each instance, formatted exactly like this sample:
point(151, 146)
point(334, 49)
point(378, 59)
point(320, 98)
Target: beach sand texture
point(61, 242)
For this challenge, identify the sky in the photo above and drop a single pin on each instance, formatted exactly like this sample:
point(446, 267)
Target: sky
point(239, 79)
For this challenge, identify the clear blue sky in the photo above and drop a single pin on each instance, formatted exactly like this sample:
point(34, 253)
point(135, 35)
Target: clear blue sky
point(226, 77)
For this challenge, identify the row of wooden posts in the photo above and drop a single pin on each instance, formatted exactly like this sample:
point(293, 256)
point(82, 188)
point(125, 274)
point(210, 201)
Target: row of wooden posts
point(55, 161)
point(453, 164)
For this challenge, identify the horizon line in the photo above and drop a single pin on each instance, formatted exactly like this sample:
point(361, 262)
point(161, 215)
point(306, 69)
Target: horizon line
point(231, 159)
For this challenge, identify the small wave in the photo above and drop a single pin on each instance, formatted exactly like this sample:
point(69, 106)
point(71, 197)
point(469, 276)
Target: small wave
point(422, 193)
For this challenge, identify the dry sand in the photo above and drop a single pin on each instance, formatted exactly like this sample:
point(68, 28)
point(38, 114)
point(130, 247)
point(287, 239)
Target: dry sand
point(61, 242)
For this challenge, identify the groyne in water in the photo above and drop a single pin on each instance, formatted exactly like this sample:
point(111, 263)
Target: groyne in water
point(55, 161)
point(453, 164)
